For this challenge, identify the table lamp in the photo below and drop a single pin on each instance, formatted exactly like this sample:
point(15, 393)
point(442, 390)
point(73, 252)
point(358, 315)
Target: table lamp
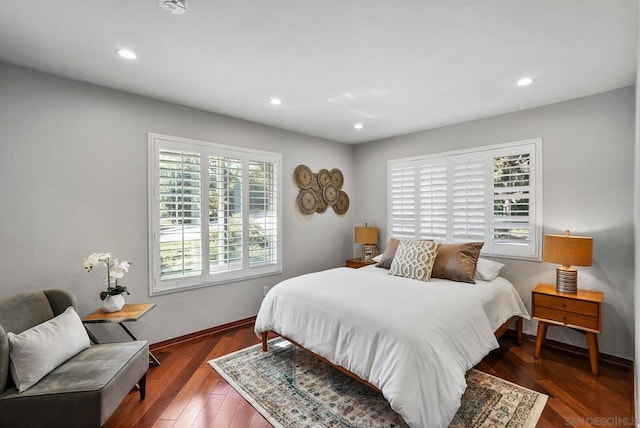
point(567, 251)
point(368, 238)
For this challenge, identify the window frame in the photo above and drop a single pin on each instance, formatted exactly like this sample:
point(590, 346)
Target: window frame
point(492, 247)
point(158, 142)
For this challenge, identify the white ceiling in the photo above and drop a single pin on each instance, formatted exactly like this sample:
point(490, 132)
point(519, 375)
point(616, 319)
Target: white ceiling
point(397, 66)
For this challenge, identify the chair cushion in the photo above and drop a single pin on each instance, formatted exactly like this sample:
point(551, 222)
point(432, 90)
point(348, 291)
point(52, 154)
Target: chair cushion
point(84, 391)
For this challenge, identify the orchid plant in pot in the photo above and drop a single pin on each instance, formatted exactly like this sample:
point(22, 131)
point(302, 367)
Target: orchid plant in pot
point(112, 297)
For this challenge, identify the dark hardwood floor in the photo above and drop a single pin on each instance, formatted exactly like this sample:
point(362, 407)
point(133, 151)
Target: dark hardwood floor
point(185, 392)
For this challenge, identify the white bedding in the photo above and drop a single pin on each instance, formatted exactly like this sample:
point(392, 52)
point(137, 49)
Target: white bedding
point(413, 340)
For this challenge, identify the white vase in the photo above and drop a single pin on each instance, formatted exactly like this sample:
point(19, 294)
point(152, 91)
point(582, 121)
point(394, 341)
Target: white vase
point(113, 303)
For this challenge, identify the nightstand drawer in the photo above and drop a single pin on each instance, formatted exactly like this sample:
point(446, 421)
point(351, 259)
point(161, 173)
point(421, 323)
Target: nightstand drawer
point(564, 304)
point(564, 317)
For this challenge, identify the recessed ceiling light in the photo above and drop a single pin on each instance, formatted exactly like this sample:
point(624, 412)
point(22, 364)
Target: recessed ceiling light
point(126, 53)
point(176, 7)
point(276, 101)
point(525, 81)
point(358, 126)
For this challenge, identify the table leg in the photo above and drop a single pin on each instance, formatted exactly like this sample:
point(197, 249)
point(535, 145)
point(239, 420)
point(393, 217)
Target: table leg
point(594, 353)
point(132, 336)
point(124, 327)
point(519, 329)
point(92, 337)
point(542, 334)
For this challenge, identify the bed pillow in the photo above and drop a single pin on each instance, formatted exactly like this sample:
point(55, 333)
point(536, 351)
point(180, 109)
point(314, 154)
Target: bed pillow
point(487, 270)
point(40, 349)
point(389, 252)
point(457, 262)
point(414, 259)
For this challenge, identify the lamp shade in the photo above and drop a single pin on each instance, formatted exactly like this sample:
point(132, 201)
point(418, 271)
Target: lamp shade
point(568, 250)
point(366, 235)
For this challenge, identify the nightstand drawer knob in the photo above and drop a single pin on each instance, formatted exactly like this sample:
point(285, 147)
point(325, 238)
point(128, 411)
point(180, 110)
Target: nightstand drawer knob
point(564, 305)
point(564, 318)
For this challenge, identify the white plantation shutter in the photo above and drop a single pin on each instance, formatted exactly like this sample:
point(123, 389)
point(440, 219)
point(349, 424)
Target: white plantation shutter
point(468, 199)
point(403, 202)
point(433, 222)
point(215, 213)
point(491, 194)
point(513, 224)
point(179, 204)
point(263, 213)
point(225, 214)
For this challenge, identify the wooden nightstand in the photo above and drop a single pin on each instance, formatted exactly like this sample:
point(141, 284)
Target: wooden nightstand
point(581, 311)
point(358, 263)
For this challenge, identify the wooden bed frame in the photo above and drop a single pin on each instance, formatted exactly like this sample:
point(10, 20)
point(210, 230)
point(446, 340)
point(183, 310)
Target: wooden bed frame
point(498, 333)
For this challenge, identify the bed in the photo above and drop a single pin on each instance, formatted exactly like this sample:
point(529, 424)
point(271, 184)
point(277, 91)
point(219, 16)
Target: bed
point(412, 340)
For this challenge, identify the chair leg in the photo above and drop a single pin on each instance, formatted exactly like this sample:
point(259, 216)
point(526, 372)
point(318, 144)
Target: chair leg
point(143, 386)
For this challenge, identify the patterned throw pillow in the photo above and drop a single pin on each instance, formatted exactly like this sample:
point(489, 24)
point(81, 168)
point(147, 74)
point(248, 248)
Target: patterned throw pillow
point(414, 259)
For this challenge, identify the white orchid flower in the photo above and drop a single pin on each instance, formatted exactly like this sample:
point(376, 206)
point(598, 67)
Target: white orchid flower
point(115, 269)
point(95, 259)
point(116, 273)
point(103, 257)
point(124, 265)
point(91, 261)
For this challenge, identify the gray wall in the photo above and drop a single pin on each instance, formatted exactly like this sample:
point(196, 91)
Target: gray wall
point(588, 181)
point(636, 295)
point(73, 180)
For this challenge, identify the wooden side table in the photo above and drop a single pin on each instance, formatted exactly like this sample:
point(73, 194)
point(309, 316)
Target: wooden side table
point(130, 312)
point(581, 311)
point(358, 263)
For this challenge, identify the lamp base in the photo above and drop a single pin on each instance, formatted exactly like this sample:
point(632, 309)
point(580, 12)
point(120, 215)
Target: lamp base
point(368, 251)
point(566, 280)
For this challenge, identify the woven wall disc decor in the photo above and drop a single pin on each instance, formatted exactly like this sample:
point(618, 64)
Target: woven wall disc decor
point(315, 186)
point(324, 178)
point(307, 201)
point(303, 176)
point(342, 204)
point(330, 194)
point(321, 205)
point(336, 178)
point(320, 190)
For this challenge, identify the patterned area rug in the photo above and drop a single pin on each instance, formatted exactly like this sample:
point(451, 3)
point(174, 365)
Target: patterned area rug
point(292, 388)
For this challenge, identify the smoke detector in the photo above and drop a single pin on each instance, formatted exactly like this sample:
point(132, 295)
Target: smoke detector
point(176, 7)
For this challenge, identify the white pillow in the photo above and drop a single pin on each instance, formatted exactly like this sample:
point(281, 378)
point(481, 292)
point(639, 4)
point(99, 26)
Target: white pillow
point(377, 258)
point(487, 270)
point(40, 349)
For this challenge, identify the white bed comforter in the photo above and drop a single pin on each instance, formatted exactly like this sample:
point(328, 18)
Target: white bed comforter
point(413, 340)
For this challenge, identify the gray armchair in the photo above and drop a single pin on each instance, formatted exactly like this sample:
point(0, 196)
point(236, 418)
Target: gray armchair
point(81, 392)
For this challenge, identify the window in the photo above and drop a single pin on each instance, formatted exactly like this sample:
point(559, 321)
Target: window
point(215, 213)
point(492, 194)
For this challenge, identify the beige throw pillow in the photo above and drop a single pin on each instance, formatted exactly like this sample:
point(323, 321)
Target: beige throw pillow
point(414, 259)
